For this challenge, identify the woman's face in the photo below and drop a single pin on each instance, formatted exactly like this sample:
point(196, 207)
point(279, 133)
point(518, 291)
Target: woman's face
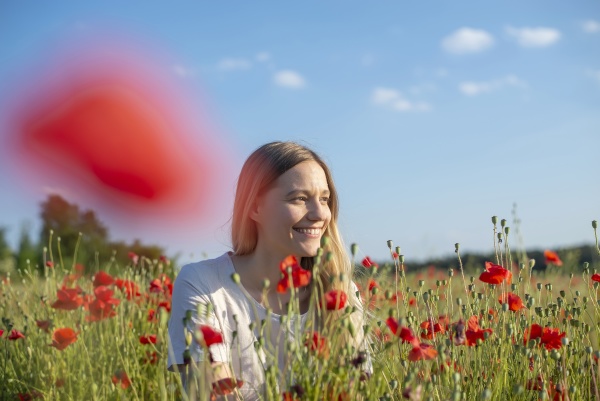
point(292, 216)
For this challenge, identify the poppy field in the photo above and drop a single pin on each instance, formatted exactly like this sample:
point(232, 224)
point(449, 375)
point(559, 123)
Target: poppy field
point(507, 331)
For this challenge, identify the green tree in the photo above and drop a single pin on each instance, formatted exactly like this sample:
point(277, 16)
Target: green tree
point(27, 250)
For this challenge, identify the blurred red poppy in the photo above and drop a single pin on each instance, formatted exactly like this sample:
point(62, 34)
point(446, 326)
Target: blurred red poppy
point(150, 339)
point(368, 263)
point(44, 325)
point(298, 277)
point(62, 338)
point(431, 327)
point(210, 336)
point(150, 358)
point(412, 301)
point(422, 351)
point(129, 287)
point(596, 277)
point(50, 264)
point(1, 332)
point(15, 335)
point(30, 396)
point(68, 299)
point(335, 299)
point(495, 274)
point(515, 303)
point(103, 278)
point(404, 333)
point(474, 332)
point(121, 377)
point(226, 386)
point(552, 258)
point(317, 344)
point(550, 338)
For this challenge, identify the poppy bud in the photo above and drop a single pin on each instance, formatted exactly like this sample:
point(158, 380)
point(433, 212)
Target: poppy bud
point(531, 263)
point(353, 249)
point(450, 272)
point(456, 247)
point(266, 283)
point(401, 257)
point(187, 356)
point(506, 230)
point(594, 224)
point(324, 241)
point(390, 244)
point(494, 220)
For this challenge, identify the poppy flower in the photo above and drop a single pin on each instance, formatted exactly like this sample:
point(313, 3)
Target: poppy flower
point(515, 303)
point(151, 358)
point(70, 279)
point(62, 338)
point(596, 277)
point(288, 396)
point(152, 315)
point(105, 294)
point(30, 396)
point(166, 305)
point(1, 332)
point(552, 258)
point(495, 274)
point(372, 284)
point(15, 335)
point(50, 264)
point(474, 332)
point(430, 327)
point(129, 287)
point(121, 377)
point(368, 263)
point(151, 339)
point(210, 336)
point(550, 338)
point(422, 351)
point(404, 333)
point(335, 299)
point(298, 277)
point(44, 325)
point(103, 278)
point(412, 301)
point(317, 344)
point(226, 386)
point(134, 257)
point(68, 299)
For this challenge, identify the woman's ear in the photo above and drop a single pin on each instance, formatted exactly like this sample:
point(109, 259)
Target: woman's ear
point(255, 210)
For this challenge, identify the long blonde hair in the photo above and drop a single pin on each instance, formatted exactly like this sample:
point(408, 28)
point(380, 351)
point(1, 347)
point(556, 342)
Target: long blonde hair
point(258, 175)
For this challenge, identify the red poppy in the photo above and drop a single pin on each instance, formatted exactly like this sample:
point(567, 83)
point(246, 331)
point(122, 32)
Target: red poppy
point(44, 325)
point(404, 333)
point(152, 315)
point(335, 299)
point(164, 259)
point(596, 277)
point(474, 332)
point(368, 263)
point(210, 336)
point(100, 310)
point(551, 338)
point(1, 332)
point(431, 328)
point(30, 396)
point(150, 358)
point(79, 268)
point(70, 279)
point(129, 287)
point(299, 277)
point(50, 264)
point(317, 344)
point(412, 301)
point(495, 274)
point(515, 303)
point(372, 284)
point(226, 386)
point(151, 339)
point(134, 257)
point(166, 305)
point(104, 294)
point(288, 396)
point(15, 335)
point(68, 299)
point(121, 377)
point(552, 258)
point(103, 278)
point(422, 351)
point(62, 338)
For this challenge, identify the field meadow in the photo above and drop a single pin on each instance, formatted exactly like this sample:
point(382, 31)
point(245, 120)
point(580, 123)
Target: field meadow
point(506, 331)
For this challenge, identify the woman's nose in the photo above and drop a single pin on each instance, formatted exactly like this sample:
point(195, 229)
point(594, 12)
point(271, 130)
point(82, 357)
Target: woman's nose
point(318, 211)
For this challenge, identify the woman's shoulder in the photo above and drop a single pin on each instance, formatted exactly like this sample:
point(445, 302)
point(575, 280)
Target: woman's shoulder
point(208, 270)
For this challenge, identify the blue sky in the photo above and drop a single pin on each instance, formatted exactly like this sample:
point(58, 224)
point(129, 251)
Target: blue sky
point(433, 116)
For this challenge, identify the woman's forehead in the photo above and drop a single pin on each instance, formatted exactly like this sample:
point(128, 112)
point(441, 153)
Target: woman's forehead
point(304, 176)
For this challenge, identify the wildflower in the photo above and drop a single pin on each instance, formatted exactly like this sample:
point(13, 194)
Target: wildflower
point(404, 333)
point(151, 339)
point(549, 337)
point(288, 396)
point(459, 336)
point(121, 377)
point(210, 336)
point(44, 325)
point(515, 303)
point(70, 279)
point(68, 299)
point(226, 386)
point(1, 332)
point(474, 332)
point(62, 338)
point(422, 351)
point(412, 301)
point(134, 257)
point(15, 335)
point(495, 274)
point(166, 305)
point(368, 263)
point(372, 284)
point(299, 277)
point(105, 294)
point(130, 288)
point(152, 315)
point(30, 396)
point(79, 268)
point(103, 278)
point(50, 264)
point(431, 328)
point(317, 344)
point(596, 277)
point(552, 258)
point(335, 299)
point(151, 358)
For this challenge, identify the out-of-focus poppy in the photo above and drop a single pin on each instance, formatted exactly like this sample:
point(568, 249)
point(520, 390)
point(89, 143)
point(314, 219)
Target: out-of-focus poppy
point(1, 332)
point(134, 257)
point(404, 333)
point(50, 264)
point(368, 263)
point(422, 351)
point(120, 377)
point(298, 277)
point(596, 277)
point(335, 299)
point(226, 386)
point(62, 338)
point(495, 274)
point(210, 336)
point(30, 396)
point(550, 338)
point(552, 258)
point(431, 327)
point(103, 278)
point(412, 301)
point(515, 303)
point(474, 332)
point(129, 287)
point(15, 335)
point(44, 325)
point(317, 344)
point(149, 339)
point(151, 358)
point(68, 299)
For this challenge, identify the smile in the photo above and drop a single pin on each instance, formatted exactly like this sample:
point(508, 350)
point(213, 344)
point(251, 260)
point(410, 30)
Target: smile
point(309, 231)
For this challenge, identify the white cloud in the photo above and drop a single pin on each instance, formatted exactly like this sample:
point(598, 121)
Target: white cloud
point(232, 64)
point(467, 40)
point(422, 88)
point(594, 74)
point(289, 79)
point(394, 100)
point(534, 37)
point(182, 71)
point(471, 88)
point(590, 26)
point(263, 57)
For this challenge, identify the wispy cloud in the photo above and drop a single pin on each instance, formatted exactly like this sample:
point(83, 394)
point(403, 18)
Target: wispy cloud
point(534, 37)
point(263, 57)
point(394, 100)
point(233, 64)
point(594, 74)
point(590, 26)
point(467, 40)
point(289, 79)
point(471, 88)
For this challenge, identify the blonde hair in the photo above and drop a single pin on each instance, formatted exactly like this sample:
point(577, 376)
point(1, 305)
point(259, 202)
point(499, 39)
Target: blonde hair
point(258, 175)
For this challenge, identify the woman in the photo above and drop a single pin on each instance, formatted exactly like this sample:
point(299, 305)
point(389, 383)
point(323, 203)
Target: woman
point(285, 204)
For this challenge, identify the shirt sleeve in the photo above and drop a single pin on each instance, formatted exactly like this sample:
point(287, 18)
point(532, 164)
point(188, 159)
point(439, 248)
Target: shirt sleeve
point(188, 293)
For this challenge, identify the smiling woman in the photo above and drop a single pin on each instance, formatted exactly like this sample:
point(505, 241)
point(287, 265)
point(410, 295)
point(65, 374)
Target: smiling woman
point(285, 203)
